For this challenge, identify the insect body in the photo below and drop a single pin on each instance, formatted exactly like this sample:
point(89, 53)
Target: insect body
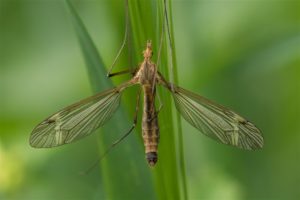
point(146, 76)
point(81, 119)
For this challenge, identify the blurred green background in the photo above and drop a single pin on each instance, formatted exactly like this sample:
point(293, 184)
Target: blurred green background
point(242, 54)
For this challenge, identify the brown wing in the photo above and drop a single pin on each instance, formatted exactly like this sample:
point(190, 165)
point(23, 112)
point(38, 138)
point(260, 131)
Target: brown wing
point(215, 121)
point(78, 120)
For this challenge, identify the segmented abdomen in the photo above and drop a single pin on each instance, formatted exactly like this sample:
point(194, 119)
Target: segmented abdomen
point(150, 127)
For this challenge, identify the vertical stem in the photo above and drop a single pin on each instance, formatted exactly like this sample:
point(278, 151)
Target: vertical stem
point(147, 19)
point(174, 78)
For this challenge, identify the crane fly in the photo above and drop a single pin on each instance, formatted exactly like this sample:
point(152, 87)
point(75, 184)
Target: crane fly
point(81, 119)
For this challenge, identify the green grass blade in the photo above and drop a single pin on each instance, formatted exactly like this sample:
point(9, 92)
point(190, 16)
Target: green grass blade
point(182, 170)
point(125, 174)
point(146, 23)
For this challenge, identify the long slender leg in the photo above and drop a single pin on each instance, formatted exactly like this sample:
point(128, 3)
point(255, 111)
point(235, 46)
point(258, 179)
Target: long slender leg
point(158, 56)
point(160, 104)
point(121, 138)
point(156, 69)
point(127, 71)
point(170, 45)
point(124, 40)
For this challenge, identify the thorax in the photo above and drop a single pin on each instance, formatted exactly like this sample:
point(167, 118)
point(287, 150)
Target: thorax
point(146, 73)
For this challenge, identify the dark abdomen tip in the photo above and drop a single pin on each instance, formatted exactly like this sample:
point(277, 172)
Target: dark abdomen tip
point(151, 158)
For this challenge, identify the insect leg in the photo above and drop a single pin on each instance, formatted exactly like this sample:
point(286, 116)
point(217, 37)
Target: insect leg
point(120, 139)
point(124, 40)
point(132, 127)
point(158, 55)
point(127, 71)
point(171, 46)
point(160, 104)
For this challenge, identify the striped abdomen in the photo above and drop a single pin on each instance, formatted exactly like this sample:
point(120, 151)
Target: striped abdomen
point(150, 125)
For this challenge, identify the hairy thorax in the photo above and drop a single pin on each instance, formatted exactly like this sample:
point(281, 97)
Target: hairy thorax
point(146, 73)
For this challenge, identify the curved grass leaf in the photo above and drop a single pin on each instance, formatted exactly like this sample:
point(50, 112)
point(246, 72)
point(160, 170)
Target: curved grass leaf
point(125, 175)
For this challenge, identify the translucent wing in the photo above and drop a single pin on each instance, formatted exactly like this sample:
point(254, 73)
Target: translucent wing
point(216, 121)
point(76, 121)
